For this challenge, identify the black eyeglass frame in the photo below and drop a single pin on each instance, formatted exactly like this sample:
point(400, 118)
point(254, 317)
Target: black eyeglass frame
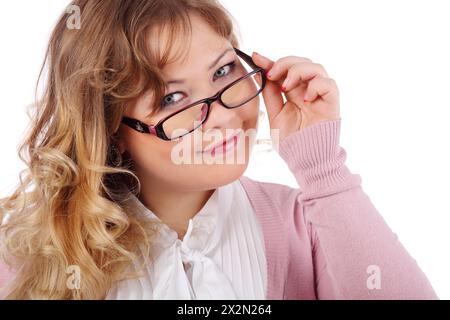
point(158, 130)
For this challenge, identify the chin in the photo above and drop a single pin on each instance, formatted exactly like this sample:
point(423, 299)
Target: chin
point(220, 175)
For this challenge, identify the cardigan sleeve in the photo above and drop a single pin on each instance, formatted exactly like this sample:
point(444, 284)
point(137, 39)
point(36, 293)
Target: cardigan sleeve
point(355, 253)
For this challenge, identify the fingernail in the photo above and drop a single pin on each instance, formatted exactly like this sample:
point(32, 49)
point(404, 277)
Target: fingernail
point(261, 56)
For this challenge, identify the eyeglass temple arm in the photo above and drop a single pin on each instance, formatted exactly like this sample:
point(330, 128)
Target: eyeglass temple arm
point(247, 59)
point(139, 126)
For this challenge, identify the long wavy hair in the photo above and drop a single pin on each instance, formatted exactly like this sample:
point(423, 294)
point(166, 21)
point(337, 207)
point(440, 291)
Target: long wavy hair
point(70, 207)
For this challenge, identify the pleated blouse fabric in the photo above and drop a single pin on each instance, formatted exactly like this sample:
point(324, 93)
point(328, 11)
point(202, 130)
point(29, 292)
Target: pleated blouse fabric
point(221, 256)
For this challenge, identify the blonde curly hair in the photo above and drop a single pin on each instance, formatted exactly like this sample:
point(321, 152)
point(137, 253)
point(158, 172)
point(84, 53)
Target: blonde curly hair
point(70, 207)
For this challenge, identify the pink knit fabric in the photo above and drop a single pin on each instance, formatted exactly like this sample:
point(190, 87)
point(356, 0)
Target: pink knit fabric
point(323, 238)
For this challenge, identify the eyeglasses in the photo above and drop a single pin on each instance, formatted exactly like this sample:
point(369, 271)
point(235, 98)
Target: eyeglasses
point(241, 90)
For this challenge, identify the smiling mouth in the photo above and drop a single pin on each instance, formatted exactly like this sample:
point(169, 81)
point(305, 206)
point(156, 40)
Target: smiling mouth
point(223, 147)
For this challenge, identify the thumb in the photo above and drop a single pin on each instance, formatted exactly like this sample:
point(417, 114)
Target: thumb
point(262, 61)
point(272, 95)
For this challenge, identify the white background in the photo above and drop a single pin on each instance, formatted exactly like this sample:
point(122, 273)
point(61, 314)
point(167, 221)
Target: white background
point(391, 61)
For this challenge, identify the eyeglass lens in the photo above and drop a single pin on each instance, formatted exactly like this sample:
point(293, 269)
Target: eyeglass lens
point(238, 94)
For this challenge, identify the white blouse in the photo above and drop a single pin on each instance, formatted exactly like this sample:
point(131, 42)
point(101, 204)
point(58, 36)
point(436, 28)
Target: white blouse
point(221, 256)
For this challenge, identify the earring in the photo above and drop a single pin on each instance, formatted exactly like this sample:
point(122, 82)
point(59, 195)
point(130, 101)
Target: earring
point(116, 156)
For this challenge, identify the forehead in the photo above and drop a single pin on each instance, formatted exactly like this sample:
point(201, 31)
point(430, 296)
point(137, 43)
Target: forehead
point(194, 53)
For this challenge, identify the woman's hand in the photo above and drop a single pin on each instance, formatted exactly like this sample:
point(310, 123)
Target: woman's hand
point(311, 96)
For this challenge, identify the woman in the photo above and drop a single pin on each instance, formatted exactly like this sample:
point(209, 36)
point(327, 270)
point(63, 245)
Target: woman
point(119, 210)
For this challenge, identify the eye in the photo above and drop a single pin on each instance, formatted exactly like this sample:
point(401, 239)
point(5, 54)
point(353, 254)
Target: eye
point(169, 99)
point(229, 67)
point(222, 72)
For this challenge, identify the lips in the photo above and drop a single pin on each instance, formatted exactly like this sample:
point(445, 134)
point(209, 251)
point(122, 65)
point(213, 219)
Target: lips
point(223, 144)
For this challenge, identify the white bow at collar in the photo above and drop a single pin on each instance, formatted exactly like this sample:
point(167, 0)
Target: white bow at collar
point(181, 269)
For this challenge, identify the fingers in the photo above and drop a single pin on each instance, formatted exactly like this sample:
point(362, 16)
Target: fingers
point(326, 88)
point(299, 72)
point(264, 63)
point(309, 79)
point(282, 65)
point(272, 95)
point(289, 72)
point(273, 100)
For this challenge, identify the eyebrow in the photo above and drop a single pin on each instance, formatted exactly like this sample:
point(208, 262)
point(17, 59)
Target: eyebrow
point(212, 65)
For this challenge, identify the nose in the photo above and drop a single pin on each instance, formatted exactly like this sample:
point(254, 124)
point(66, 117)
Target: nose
point(222, 118)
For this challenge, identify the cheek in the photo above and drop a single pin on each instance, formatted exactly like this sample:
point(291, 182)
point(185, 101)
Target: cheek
point(146, 151)
point(250, 114)
point(153, 160)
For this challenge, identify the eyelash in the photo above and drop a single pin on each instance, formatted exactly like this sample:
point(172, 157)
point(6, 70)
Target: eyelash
point(232, 65)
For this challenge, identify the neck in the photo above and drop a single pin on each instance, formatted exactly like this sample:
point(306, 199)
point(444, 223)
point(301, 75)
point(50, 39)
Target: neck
point(174, 208)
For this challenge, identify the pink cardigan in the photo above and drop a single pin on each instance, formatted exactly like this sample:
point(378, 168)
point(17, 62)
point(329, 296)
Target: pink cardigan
point(326, 240)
